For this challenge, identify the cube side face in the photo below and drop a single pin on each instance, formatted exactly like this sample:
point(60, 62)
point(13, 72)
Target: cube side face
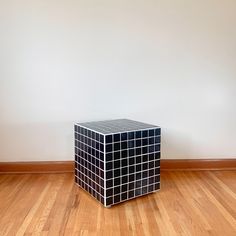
point(132, 164)
point(89, 161)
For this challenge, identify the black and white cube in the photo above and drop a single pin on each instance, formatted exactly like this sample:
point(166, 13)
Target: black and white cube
point(117, 160)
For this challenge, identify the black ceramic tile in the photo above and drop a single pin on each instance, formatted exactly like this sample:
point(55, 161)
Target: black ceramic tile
point(109, 139)
point(124, 196)
point(117, 198)
point(117, 190)
point(109, 174)
point(124, 136)
point(109, 157)
point(109, 201)
point(131, 194)
point(109, 192)
point(116, 155)
point(116, 137)
point(131, 135)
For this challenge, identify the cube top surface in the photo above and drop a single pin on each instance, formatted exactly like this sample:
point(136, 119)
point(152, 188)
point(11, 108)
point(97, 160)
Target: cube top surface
point(116, 126)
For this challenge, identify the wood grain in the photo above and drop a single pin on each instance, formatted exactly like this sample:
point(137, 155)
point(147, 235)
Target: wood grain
point(189, 203)
point(68, 166)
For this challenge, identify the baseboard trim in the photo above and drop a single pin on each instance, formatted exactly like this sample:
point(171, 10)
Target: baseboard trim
point(37, 167)
point(68, 166)
point(198, 164)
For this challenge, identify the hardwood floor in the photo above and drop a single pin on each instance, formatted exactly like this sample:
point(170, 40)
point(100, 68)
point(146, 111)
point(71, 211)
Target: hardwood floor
point(189, 203)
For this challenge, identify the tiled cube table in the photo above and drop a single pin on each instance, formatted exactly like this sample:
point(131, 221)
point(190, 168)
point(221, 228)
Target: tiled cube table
point(117, 160)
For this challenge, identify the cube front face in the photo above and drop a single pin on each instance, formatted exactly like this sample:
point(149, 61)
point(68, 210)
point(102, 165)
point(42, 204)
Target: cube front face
point(115, 167)
point(132, 162)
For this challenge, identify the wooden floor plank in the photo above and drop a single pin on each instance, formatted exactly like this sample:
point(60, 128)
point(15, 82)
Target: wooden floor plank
point(189, 203)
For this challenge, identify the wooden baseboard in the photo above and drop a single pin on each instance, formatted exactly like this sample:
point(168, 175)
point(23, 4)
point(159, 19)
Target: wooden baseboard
point(37, 167)
point(166, 165)
point(198, 164)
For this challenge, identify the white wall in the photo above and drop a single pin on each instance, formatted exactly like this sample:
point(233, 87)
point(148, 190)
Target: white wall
point(166, 62)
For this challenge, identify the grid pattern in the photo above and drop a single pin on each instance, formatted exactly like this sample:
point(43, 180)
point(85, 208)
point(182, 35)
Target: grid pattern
point(89, 161)
point(117, 162)
point(116, 126)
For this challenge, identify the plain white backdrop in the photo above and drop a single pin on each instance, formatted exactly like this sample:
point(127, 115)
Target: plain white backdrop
point(170, 63)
